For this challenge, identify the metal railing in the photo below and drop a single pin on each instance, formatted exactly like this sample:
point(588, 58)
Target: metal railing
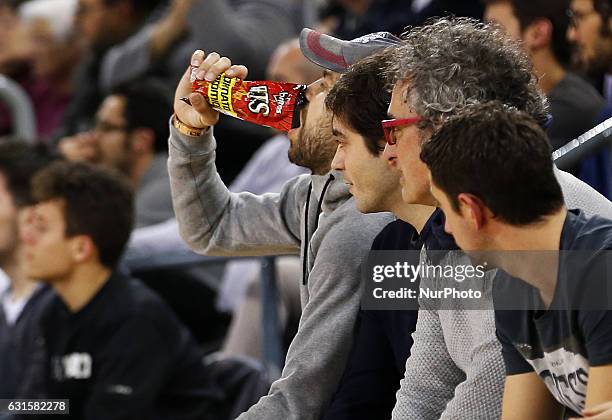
point(585, 145)
point(272, 352)
point(20, 107)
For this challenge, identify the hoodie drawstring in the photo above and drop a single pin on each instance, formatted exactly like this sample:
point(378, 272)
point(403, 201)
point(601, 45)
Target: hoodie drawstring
point(319, 209)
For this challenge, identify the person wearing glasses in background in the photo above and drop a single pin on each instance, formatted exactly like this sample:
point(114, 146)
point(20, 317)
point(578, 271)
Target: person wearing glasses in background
point(456, 369)
point(541, 26)
point(130, 135)
point(591, 31)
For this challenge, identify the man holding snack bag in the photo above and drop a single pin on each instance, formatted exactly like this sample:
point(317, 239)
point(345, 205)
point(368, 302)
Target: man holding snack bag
point(313, 216)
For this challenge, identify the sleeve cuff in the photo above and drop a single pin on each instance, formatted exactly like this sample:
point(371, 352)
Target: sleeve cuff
point(192, 145)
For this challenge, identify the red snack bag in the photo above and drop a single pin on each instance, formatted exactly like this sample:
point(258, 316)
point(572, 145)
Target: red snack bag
point(272, 104)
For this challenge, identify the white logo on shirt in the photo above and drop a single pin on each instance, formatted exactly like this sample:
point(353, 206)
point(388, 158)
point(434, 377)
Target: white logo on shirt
point(75, 366)
point(566, 376)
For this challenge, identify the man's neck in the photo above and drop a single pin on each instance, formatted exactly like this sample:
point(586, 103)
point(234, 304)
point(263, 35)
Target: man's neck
point(80, 287)
point(548, 70)
point(414, 214)
point(21, 285)
point(536, 261)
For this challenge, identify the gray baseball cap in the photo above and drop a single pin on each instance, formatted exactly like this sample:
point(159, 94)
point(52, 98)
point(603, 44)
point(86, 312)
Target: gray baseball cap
point(337, 55)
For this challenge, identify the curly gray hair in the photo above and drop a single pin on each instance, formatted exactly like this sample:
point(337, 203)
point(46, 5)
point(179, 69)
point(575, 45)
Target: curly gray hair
point(453, 62)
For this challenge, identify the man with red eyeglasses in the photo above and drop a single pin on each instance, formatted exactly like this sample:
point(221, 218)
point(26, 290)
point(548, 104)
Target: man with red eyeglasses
point(456, 368)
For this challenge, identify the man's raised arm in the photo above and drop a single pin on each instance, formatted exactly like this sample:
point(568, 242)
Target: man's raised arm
point(211, 219)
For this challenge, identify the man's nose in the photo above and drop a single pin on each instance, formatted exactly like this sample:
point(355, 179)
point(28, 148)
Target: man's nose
point(390, 153)
point(27, 235)
point(572, 34)
point(338, 161)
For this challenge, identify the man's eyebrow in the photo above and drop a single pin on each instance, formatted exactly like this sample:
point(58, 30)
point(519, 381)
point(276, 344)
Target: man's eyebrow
point(337, 133)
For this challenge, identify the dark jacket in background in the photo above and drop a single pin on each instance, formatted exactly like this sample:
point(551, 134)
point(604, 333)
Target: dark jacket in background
point(18, 342)
point(124, 355)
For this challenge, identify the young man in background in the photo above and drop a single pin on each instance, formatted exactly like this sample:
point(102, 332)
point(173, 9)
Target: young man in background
point(107, 343)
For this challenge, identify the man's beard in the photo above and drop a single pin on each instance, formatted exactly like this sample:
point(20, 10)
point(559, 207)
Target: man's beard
point(601, 61)
point(314, 148)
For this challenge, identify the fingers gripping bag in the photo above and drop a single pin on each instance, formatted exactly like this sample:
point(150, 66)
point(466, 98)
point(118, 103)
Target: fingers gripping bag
point(271, 104)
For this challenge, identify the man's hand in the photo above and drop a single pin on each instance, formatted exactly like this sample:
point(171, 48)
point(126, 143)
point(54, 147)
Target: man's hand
point(599, 412)
point(80, 147)
point(200, 114)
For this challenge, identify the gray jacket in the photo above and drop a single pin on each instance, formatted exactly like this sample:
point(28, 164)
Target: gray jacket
point(312, 215)
point(456, 369)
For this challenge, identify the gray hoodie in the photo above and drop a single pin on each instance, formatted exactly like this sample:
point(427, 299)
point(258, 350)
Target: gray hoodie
point(312, 215)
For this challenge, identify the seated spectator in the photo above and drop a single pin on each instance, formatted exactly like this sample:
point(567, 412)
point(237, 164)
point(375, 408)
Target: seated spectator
point(109, 344)
point(21, 298)
point(558, 353)
point(44, 43)
point(591, 32)
point(130, 135)
point(100, 24)
point(542, 25)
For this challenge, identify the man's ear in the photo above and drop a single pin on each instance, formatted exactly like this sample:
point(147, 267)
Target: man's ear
point(473, 210)
point(81, 248)
point(143, 141)
point(538, 35)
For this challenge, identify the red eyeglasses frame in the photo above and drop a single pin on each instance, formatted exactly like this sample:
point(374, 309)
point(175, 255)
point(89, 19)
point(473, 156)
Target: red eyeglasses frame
point(389, 127)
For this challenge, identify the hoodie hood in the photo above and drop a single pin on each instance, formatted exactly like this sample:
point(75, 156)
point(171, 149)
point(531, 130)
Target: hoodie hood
point(331, 189)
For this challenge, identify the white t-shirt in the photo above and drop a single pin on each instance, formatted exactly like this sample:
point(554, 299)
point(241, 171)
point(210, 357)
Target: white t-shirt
point(4, 282)
point(12, 308)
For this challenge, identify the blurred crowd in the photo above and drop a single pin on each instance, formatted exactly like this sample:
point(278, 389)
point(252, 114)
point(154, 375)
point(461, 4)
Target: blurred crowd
point(89, 203)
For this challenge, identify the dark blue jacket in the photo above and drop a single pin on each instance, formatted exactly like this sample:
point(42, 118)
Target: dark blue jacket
point(383, 338)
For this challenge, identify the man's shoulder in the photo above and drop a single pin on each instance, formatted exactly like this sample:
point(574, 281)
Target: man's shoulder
point(349, 219)
point(579, 195)
point(131, 302)
point(589, 232)
point(347, 228)
point(573, 89)
point(397, 235)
